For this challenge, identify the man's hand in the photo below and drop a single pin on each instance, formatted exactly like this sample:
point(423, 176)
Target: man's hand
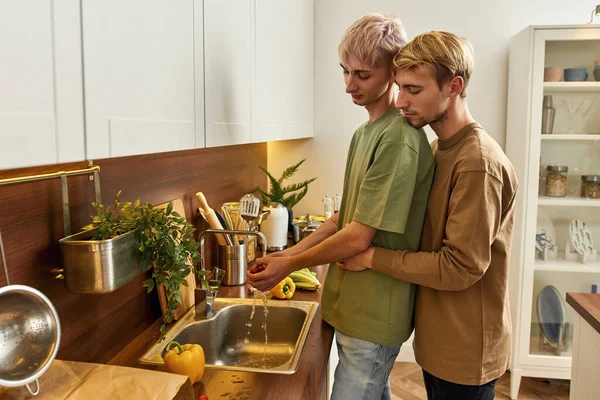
point(276, 269)
point(358, 262)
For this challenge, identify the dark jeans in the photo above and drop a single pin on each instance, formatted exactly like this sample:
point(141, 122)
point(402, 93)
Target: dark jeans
point(439, 389)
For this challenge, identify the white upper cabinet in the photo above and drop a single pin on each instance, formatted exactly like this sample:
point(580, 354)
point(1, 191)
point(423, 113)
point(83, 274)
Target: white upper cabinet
point(268, 100)
point(297, 57)
point(98, 79)
point(259, 70)
point(141, 78)
point(228, 75)
point(41, 107)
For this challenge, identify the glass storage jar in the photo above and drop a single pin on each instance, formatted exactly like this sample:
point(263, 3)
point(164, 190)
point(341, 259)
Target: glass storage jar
point(556, 180)
point(590, 186)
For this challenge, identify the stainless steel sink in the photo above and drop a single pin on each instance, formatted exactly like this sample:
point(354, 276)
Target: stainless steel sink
point(229, 343)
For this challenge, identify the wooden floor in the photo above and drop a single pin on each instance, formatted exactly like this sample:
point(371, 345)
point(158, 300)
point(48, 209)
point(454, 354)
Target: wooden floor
point(407, 384)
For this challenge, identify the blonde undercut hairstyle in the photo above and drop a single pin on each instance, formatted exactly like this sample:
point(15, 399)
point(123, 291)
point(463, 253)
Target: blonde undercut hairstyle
point(447, 54)
point(373, 40)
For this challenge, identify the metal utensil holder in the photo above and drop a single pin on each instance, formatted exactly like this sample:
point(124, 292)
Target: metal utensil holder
point(232, 258)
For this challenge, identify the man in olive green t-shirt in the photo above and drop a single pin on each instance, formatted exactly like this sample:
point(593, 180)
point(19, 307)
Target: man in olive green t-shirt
point(386, 186)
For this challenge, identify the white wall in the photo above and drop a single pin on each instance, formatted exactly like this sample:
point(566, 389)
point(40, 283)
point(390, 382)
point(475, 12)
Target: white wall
point(488, 25)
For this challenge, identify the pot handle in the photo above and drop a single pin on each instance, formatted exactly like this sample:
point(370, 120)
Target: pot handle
point(37, 388)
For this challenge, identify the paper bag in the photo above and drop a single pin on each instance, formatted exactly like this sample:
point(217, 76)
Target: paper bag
point(84, 381)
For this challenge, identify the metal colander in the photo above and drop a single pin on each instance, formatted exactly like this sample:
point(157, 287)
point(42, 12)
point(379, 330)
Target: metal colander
point(29, 336)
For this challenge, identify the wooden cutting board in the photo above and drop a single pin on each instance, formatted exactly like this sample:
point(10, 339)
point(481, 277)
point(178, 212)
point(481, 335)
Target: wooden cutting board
point(187, 292)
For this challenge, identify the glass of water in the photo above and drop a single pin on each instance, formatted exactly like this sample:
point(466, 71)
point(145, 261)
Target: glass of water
point(214, 280)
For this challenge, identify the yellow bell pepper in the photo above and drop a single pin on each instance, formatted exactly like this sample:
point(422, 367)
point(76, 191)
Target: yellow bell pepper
point(185, 360)
point(284, 289)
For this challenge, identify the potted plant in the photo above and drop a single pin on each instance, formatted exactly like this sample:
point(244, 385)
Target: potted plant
point(289, 195)
point(164, 242)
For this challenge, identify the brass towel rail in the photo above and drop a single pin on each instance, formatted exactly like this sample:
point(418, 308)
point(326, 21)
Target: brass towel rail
point(94, 170)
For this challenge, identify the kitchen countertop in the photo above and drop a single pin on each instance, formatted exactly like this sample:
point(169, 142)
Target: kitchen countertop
point(588, 306)
point(229, 385)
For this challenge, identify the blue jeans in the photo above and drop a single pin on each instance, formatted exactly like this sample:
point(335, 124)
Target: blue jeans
point(363, 371)
point(439, 389)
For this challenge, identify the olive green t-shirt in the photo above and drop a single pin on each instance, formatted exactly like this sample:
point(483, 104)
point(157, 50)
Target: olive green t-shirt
point(386, 186)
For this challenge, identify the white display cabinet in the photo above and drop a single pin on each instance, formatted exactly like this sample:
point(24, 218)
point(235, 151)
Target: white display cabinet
point(542, 348)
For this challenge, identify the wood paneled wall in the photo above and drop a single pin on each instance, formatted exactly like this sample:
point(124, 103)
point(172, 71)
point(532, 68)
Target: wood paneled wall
point(95, 327)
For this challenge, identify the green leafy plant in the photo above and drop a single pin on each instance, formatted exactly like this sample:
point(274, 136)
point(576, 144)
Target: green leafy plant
point(284, 194)
point(166, 243)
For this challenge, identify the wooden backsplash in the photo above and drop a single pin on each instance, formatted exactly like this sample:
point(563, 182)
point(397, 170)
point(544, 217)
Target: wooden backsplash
point(95, 327)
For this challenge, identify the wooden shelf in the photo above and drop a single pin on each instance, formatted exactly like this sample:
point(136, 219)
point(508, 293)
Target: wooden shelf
point(573, 201)
point(562, 265)
point(582, 137)
point(571, 86)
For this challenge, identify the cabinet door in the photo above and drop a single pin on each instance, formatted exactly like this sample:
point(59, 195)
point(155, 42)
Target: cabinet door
point(41, 107)
point(268, 90)
point(283, 84)
point(297, 59)
point(228, 71)
point(139, 66)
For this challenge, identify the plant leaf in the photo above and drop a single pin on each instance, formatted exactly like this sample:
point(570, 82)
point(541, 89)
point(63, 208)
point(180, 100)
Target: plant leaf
point(266, 199)
point(290, 171)
point(298, 186)
point(276, 193)
point(295, 198)
point(166, 243)
point(149, 283)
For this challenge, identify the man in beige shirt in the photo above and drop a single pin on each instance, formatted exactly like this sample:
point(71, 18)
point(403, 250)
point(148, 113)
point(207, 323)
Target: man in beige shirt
point(462, 314)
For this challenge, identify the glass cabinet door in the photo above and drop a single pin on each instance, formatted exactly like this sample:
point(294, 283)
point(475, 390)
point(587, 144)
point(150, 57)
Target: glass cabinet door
point(568, 203)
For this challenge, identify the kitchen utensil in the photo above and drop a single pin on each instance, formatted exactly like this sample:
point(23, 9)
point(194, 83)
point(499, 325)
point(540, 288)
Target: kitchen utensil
point(553, 74)
point(303, 228)
point(229, 225)
point(581, 237)
point(575, 74)
point(212, 219)
point(275, 228)
point(337, 203)
point(222, 219)
point(233, 208)
point(552, 315)
point(214, 283)
point(572, 105)
point(234, 260)
point(264, 214)
point(548, 112)
point(545, 234)
point(29, 336)
point(234, 274)
point(4, 260)
point(249, 208)
point(328, 206)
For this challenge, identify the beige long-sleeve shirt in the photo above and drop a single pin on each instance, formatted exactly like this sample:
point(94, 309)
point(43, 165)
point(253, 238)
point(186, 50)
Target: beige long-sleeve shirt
point(462, 311)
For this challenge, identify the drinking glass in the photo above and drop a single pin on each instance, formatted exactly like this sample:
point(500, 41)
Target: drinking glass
point(584, 109)
point(214, 280)
point(571, 106)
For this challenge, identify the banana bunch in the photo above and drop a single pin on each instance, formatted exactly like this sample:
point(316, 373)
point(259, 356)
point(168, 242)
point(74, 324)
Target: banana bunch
point(305, 279)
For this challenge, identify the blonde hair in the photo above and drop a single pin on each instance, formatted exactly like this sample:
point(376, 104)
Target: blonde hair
point(447, 54)
point(373, 40)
